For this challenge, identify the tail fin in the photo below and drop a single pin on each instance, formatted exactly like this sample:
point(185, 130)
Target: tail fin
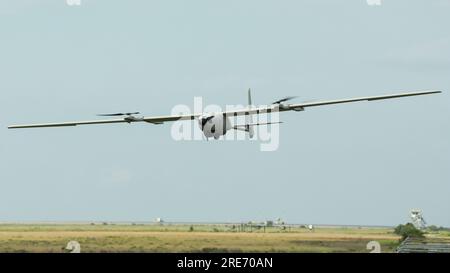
point(249, 118)
point(249, 125)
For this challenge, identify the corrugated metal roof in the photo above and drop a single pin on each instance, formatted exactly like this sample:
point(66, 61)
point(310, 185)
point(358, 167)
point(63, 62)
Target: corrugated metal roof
point(424, 245)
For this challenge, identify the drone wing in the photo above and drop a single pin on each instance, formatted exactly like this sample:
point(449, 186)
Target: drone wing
point(277, 107)
point(62, 124)
point(127, 119)
point(372, 98)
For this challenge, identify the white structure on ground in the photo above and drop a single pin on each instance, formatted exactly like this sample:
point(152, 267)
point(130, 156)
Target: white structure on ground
point(417, 219)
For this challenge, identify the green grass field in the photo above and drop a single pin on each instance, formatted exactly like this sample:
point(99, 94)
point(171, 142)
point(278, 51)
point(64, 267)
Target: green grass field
point(202, 238)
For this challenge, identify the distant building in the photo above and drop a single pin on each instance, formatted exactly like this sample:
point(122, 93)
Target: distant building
point(159, 220)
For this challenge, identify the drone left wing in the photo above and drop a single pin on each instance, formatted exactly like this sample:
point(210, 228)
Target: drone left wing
point(127, 119)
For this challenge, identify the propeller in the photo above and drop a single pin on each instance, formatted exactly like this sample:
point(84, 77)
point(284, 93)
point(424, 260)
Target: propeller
point(284, 99)
point(118, 114)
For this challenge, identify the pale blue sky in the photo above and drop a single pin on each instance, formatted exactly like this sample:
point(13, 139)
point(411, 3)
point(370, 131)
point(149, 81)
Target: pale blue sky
point(366, 163)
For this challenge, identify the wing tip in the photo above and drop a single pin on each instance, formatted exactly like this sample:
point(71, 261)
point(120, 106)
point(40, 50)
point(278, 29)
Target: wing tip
point(14, 126)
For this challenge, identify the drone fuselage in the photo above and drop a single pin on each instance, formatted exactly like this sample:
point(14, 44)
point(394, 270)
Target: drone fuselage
point(214, 125)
